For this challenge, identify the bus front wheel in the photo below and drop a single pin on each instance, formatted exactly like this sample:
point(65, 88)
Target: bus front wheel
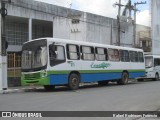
point(49, 87)
point(73, 82)
point(124, 79)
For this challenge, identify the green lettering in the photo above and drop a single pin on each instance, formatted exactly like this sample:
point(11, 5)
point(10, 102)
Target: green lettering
point(102, 65)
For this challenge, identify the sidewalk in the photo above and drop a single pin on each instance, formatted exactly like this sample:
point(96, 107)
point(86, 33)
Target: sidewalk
point(20, 89)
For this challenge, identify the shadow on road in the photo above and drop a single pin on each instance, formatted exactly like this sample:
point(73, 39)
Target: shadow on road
point(83, 86)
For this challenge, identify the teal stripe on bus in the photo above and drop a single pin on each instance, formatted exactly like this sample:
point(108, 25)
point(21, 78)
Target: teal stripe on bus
point(92, 71)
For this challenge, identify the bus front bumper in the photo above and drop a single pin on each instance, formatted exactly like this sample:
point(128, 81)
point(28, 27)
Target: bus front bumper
point(36, 82)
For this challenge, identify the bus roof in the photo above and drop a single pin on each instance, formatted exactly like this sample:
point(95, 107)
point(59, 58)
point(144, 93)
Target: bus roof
point(67, 41)
point(154, 56)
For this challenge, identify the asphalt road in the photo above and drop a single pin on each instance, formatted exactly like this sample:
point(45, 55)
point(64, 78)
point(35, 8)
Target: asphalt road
point(136, 96)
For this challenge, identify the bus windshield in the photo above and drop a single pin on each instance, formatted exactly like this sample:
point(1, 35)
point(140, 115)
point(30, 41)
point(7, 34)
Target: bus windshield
point(34, 56)
point(148, 61)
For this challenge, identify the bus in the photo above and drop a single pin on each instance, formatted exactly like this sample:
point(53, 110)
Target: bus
point(152, 65)
point(51, 62)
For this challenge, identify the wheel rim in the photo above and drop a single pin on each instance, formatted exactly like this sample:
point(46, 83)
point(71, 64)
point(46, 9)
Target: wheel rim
point(157, 77)
point(125, 78)
point(74, 81)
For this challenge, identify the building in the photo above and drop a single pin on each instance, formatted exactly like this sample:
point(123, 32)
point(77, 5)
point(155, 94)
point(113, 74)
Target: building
point(29, 19)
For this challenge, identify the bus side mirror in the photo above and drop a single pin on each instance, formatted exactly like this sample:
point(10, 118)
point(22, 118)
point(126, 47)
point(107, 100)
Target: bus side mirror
point(53, 47)
point(53, 51)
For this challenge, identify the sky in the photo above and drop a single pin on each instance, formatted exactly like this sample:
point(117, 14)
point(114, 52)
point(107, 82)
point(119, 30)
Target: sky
point(105, 8)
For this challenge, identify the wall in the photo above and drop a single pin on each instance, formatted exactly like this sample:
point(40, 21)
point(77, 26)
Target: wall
point(91, 28)
point(155, 26)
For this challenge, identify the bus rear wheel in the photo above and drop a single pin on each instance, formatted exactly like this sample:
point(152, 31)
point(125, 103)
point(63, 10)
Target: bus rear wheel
point(49, 87)
point(124, 79)
point(156, 77)
point(73, 82)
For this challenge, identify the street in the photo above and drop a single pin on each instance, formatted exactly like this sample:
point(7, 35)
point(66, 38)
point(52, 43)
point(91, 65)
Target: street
point(136, 96)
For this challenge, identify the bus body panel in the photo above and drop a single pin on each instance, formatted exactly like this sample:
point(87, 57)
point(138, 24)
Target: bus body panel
point(58, 79)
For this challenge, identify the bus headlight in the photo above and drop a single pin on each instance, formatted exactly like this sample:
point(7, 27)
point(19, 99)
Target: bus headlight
point(44, 73)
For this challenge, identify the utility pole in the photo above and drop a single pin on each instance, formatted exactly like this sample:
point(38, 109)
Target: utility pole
point(111, 35)
point(118, 22)
point(134, 22)
point(3, 47)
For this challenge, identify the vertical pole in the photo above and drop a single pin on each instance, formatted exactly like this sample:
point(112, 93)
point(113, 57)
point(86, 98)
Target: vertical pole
point(53, 27)
point(14, 64)
point(111, 42)
point(30, 28)
point(130, 9)
point(134, 27)
point(118, 22)
point(1, 87)
point(3, 57)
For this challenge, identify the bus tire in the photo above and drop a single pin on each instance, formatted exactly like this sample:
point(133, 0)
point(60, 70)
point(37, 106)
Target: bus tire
point(49, 87)
point(73, 82)
point(124, 79)
point(156, 77)
point(103, 83)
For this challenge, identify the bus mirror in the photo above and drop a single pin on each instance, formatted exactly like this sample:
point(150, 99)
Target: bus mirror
point(53, 50)
point(53, 47)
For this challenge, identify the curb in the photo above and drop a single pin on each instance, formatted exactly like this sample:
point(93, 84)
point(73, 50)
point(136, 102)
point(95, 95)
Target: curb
point(21, 90)
point(11, 91)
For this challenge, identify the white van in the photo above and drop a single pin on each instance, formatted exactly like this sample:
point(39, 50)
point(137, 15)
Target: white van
point(152, 65)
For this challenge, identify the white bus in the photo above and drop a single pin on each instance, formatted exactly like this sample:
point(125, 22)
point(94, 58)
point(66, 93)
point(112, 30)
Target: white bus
point(152, 64)
point(51, 61)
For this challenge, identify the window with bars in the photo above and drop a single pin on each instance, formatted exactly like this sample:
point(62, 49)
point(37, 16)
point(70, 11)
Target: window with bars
point(133, 56)
point(101, 54)
point(124, 55)
point(73, 52)
point(87, 53)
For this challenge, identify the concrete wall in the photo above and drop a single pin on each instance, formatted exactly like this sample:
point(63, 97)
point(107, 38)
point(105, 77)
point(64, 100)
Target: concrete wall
point(155, 26)
point(64, 28)
point(32, 9)
point(92, 28)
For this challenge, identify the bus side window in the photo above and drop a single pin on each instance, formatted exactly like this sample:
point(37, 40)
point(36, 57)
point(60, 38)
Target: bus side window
point(124, 55)
point(140, 57)
point(101, 54)
point(87, 53)
point(73, 52)
point(56, 54)
point(136, 56)
point(113, 54)
point(133, 56)
point(156, 62)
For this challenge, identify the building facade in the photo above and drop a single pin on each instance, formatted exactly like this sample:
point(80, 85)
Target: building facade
point(29, 19)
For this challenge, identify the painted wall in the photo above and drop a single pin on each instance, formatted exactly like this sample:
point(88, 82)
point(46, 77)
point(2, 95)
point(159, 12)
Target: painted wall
point(91, 27)
point(155, 26)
